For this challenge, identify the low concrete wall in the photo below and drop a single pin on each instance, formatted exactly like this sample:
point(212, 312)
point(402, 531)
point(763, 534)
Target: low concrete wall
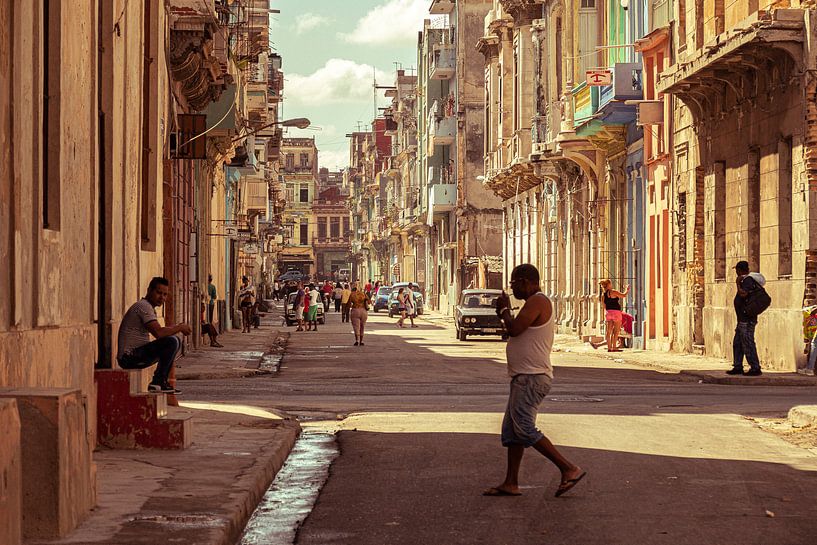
point(11, 493)
point(57, 469)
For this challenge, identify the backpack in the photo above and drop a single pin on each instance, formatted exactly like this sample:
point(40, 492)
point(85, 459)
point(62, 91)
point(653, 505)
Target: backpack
point(756, 302)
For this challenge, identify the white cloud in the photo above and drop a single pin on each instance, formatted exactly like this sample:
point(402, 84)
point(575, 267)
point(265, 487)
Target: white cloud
point(338, 81)
point(333, 159)
point(393, 22)
point(309, 21)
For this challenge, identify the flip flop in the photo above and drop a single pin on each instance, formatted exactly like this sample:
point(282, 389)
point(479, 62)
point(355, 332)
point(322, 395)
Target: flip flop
point(569, 484)
point(494, 491)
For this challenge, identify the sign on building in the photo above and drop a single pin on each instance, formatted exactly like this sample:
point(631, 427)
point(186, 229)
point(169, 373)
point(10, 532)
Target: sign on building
point(599, 77)
point(250, 248)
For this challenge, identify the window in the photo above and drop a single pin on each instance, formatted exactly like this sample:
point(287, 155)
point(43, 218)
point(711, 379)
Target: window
point(304, 195)
point(334, 227)
point(784, 203)
point(321, 228)
point(304, 233)
point(516, 85)
point(304, 160)
point(290, 193)
point(753, 205)
point(719, 188)
point(682, 231)
point(148, 179)
point(51, 112)
point(290, 161)
point(345, 226)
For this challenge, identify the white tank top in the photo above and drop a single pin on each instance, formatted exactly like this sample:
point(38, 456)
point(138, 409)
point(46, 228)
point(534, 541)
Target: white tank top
point(529, 353)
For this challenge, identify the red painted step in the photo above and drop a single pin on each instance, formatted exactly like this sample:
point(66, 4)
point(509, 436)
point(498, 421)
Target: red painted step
point(130, 418)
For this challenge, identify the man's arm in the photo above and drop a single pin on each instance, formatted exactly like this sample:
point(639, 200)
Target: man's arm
point(531, 310)
point(160, 332)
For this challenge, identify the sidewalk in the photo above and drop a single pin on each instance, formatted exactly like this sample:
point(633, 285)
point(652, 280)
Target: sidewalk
point(244, 354)
point(203, 495)
point(705, 369)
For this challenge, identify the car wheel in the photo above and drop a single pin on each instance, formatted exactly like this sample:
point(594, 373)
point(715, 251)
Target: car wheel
point(375, 309)
point(461, 335)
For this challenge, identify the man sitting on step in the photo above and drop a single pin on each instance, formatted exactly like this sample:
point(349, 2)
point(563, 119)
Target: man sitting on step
point(137, 351)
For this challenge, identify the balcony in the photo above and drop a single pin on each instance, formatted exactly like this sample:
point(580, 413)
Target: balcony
point(627, 85)
point(585, 103)
point(441, 7)
point(442, 131)
point(441, 198)
point(443, 62)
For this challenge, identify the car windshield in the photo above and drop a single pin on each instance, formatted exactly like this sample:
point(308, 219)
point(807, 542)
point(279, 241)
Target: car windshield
point(479, 300)
point(384, 291)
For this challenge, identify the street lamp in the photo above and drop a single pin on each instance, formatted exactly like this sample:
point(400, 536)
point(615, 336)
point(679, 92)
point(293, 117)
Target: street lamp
point(297, 122)
point(625, 4)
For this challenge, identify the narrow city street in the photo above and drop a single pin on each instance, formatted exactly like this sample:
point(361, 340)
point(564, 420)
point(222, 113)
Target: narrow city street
point(417, 417)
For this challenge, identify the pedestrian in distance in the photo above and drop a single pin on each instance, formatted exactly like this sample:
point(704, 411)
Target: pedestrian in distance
point(327, 294)
point(810, 338)
point(359, 302)
point(411, 307)
point(611, 301)
point(528, 353)
point(312, 312)
point(298, 303)
point(276, 290)
point(246, 299)
point(368, 288)
point(211, 304)
point(207, 328)
point(750, 300)
point(345, 304)
point(401, 306)
point(337, 296)
point(136, 350)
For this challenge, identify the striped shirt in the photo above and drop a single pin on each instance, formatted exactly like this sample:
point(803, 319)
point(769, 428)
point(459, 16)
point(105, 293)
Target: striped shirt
point(132, 330)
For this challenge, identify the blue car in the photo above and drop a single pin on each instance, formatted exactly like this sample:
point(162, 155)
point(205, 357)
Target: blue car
point(381, 300)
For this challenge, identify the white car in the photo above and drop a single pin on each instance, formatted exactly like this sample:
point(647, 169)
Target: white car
point(343, 275)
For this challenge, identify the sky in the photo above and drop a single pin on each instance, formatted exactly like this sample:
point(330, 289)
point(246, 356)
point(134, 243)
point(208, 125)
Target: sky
point(331, 51)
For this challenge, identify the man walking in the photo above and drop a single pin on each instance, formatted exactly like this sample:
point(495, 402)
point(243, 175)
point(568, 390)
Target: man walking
point(345, 304)
point(528, 352)
point(743, 343)
point(135, 350)
point(211, 304)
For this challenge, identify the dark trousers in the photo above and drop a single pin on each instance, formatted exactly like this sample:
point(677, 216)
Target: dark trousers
point(743, 345)
point(163, 350)
point(210, 308)
point(337, 305)
point(345, 308)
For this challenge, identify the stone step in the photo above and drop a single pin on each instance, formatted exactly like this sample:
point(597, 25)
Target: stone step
point(130, 418)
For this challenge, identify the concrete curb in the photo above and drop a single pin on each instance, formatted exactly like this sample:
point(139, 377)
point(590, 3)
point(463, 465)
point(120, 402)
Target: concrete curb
point(260, 480)
point(717, 377)
point(802, 416)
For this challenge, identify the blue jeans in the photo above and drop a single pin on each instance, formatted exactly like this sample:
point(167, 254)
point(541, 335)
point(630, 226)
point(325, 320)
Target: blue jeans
point(812, 354)
point(744, 345)
point(163, 350)
point(519, 424)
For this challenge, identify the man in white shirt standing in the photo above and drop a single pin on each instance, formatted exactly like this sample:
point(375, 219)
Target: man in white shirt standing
point(312, 312)
point(528, 351)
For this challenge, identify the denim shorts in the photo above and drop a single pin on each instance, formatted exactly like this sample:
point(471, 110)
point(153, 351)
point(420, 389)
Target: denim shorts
point(519, 423)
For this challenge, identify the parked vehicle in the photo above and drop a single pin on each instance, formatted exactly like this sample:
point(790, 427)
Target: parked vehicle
point(418, 298)
point(476, 314)
point(289, 311)
point(292, 275)
point(381, 300)
point(343, 275)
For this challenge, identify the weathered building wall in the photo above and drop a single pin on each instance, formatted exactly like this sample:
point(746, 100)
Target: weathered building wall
point(133, 188)
point(741, 179)
point(47, 230)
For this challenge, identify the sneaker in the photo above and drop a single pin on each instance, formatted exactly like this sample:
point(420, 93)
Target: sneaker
point(753, 373)
point(356, 343)
point(162, 389)
point(735, 371)
point(807, 372)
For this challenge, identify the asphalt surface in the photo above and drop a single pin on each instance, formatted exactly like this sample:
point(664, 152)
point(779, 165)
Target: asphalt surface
point(417, 417)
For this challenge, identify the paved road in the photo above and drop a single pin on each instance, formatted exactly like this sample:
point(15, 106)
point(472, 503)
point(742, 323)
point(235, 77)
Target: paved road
point(417, 413)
